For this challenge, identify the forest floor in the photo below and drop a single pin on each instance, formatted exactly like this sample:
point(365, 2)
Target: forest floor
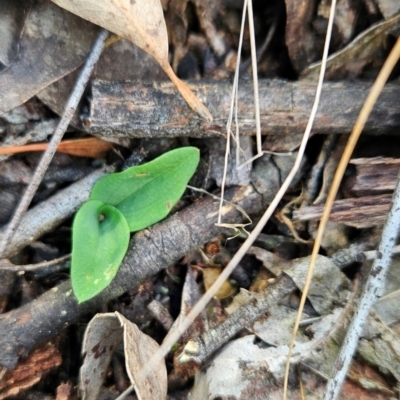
point(52, 347)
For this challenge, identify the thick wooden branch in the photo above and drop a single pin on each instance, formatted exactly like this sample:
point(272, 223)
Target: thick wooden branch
point(151, 250)
point(156, 109)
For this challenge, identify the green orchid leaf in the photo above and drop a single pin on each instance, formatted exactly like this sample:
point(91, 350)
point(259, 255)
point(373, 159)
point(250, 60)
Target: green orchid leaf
point(100, 240)
point(123, 202)
point(146, 193)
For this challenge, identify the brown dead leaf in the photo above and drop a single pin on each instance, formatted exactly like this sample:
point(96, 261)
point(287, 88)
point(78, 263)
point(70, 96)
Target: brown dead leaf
point(329, 287)
point(190, 296)
point(111, 67)
point(103, 335)
point(52, 45)
point(88, 147)
point(356, 54)
point(181, 373)
point(299, 25)
point(177, 22)
point(388, 7)
point(142, 23)
point(139, 349)
point(207, 11)
point(210, 275)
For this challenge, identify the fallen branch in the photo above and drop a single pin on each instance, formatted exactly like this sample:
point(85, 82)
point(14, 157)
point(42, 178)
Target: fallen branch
point(156, 109)
point(200, 348)
point(151, 250)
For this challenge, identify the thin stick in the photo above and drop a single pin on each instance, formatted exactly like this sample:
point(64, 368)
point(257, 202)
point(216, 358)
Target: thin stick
point(7, 265)
point(255, 78)
point(377, 277)
point(235, 88)
point(55, 140)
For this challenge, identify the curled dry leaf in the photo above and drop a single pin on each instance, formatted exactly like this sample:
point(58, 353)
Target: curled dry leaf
point(142, 23)
point(103, 335)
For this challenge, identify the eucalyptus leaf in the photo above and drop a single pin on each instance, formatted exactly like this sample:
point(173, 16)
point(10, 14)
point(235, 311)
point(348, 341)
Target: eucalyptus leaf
point(100, 240)
point(146, 193)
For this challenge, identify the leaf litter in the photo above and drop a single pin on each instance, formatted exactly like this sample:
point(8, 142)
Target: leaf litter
point(143, 24)
point(103, 336)
point(391, 339)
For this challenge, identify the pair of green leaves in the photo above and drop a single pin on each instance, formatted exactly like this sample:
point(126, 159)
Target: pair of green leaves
point(121, 203)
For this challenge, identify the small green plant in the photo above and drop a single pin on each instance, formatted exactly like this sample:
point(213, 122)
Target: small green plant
point(121, 203)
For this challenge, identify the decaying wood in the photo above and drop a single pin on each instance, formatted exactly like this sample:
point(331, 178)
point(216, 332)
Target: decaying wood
point(373, 175)
point(156, 110)
point(373, 178)
point(360, 212)
point(30, 371)
point(151, 250)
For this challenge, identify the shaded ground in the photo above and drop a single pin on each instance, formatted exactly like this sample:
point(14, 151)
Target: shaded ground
point(43, 46)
